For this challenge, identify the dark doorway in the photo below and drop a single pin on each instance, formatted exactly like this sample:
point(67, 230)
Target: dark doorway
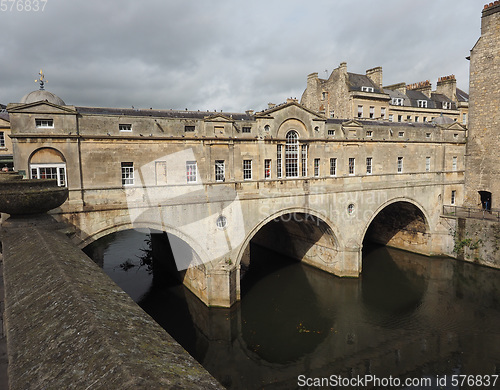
point(485, 200)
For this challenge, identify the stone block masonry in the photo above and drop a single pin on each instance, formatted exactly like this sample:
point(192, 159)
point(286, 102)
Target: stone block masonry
point(69, 326)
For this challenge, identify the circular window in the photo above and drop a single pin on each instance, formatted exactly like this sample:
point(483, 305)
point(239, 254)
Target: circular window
point(221, 222)
point(350, 209)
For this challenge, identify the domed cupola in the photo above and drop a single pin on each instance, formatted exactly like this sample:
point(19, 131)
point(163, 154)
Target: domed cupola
point(42, 95)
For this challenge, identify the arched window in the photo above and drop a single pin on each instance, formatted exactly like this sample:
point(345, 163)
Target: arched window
point(48, 163)
point(292, 154)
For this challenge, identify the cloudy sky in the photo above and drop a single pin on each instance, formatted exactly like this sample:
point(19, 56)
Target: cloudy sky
point(229, 55)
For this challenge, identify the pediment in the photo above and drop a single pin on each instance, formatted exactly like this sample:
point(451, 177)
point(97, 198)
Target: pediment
point(291, 107)
point(44, 107)
point(218, 118)
point(352, 123)
point(455, 126)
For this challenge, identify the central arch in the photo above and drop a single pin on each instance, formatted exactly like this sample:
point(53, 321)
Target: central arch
point(316, 240)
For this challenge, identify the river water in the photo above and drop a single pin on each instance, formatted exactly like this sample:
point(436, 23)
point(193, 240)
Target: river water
point(407, 316)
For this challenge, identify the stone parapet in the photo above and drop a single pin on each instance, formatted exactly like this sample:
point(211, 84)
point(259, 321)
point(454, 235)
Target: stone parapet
point(70, 327)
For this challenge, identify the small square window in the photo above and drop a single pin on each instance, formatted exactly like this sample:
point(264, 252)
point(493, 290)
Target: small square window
point(246, 129)
point(427, 135)
point(44, 123)
point(369, 133)
point(401, 134)
point(189, 128)
point(125, 127)
point(331, 132)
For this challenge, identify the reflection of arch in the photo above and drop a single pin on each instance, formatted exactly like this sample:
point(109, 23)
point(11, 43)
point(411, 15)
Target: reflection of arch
point(335, 234)
point(48, 163)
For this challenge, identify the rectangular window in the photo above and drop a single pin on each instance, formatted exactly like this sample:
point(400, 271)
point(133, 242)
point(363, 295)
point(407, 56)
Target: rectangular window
point(2, 139)
point(246, 129)
point(161, 172)
point(372, 112)
point(367, 89)
point(44, 123)
point(220, 170)
point(428, 135)
point(369, 133)
point(189, 128)
point(191, 171)
point(125, 127)
point(454, 163)
point(316, 167)
point(369, 165)
point(278, 161)
point(453, 196)
point(352, 166)
point(324, 95)
point(417, 118)
point(304, 160)
point(422, 103)
point(446, 105)
point(247, 169)
point(400, 118)
point(400, 164)
point(267, 169)
point(424, 119)
point(464, 119)
point(427, 164)
point(397, 101)
point(360, 111)
point(391, 117)
point(333, 167)
point(401, 134)
point(408, 118)
point(127, 173)
point(331, 132)
point(382, 113)
point(50, 171)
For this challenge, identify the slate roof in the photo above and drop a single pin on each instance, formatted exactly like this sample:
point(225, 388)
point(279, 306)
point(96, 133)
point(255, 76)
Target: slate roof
point(159, 113)
point(439, 99)
point(4, 115)
point(415, 96)
point(356, 81)
point(462, 96)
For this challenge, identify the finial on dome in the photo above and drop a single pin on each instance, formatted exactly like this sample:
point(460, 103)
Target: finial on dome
point(42, 80)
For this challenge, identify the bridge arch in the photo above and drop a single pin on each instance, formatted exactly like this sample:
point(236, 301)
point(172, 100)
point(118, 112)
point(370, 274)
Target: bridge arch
point(400, 222)
point(323, 255)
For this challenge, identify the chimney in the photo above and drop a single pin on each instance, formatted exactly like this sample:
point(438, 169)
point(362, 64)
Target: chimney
point(447, 85)
point(375, 75)
point(292, 100)
point(343, 67)
point(249, 112)
point(423, 86)
point(400, 87)
point(271, 105)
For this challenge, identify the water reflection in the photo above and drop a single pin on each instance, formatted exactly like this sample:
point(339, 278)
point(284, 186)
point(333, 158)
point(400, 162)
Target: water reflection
point(407, 316)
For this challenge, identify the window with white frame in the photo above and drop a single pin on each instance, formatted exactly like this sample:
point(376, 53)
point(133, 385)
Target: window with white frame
point(454, 163)
point(427, 164)
point(367, 89)
point(369, 133)
point(397, 101)
point(191, 171)
point(267, 168)
point(352, 166)
point(50, 171)
point(331, 132)
point(382, 113)
point(247, 169)
point(279, 172)
point(360, 111)
point(369, 161)
point(372, 112)
point(417, 119)
point(44, 123)
point(246, 129)
point(400, 164)
point(220, 170)
point(446, 105)
point(400, 118)
point(304, 160)
point(292, 154)
point(127, 173)
point(464, 119)
point(316, 167)
point(424, 119)
point(453, 196)
point(2, 139)
point(333, 167)
point(391, 117)
point(422, 103)
point(125, 127)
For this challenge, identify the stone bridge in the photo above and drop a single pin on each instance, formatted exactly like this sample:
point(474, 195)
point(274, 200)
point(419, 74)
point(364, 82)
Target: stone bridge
point(322, 222)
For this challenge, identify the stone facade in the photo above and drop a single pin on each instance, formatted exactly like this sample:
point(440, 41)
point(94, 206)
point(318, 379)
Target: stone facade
point(350, 95)
point(483, 145)
point(6, 154)
point(228, 175)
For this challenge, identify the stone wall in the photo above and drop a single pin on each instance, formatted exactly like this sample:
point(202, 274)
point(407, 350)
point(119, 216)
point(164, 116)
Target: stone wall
point(70, 327)
point(483, 145)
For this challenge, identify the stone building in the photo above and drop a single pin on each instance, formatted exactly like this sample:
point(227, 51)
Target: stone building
point(351, 95)
point(483, 144)
point(6, 154)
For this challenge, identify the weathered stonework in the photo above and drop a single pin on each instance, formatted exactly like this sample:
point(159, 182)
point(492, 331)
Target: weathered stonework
point(483, 144)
